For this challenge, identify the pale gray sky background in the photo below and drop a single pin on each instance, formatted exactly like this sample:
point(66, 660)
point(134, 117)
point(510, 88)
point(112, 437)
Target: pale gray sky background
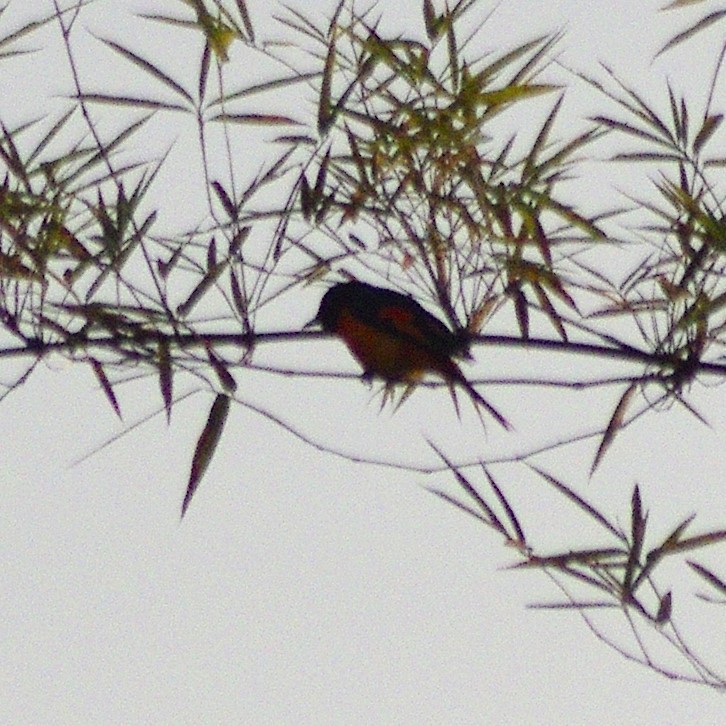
point(302, 588)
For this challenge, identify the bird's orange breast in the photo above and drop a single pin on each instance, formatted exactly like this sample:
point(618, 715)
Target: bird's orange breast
point(386, 354)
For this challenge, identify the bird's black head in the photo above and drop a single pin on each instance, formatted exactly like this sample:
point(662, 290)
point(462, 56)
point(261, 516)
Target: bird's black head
point(351, 295)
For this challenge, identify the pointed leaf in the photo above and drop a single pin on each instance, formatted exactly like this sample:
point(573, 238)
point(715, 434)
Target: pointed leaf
point(165, 377)
point(701, 540)
point(325, 106)
point(258, 119)
point(690, 32)
point(664, 609)
point(708, 128)
point(577, 499)
point(709, 576)
point(431, 21)
point(150, 68)
point(246, 20)
point(637, 533)
point(490, 517)
point(616, 422)
point(220, 368)
point(204, 72)
point(507, 508)
point(105, 385)
point(206, 446)
point(229, 206)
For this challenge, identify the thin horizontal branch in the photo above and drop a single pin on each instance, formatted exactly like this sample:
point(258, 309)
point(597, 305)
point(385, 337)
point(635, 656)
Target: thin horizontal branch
point(617, 351)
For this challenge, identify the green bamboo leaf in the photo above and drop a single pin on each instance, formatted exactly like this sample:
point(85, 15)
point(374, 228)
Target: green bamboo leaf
point(432, 22)
point(541, 140)
point(681, 3)
point(614, 425)
point(513, 93)
point(149, 68)
point(206, 446)
point(459, 505)
point(576, 605)
point(664, 609)
point(105, 385)
point(627, 128)
point(209, 278)
point(573, 573)
point(165, 377)
point(492, 70)
point(658, 553)
point(598, 556)
point(212, 253)
point(246, 20)
point(521, 308)
point(708, 128)
point(325, 106)
point(130, 102)
point(709, 576)
point(521, 539)
point(697, 27)
point(101, 155)
point(237, 298)
point(647, 156)
point(266, 86)
point(49, 136)
point(549, 310)
point(22, 32)
point(169, 20)
point(701, 540)
point(256, 119)
point(637, 534)
point(453, 56)
point(579, 501)
point(226, 379)
point(204, 72)
point(229, 206)
point(489, 518)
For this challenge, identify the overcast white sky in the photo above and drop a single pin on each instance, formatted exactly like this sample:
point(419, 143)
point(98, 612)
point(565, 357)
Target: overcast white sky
point(302, 588)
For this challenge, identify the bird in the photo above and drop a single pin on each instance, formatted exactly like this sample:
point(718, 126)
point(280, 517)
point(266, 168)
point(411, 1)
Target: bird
point(396, 339)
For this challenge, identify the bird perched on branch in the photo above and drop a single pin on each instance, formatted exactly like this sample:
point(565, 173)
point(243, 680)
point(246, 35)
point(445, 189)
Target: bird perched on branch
point(396, 339)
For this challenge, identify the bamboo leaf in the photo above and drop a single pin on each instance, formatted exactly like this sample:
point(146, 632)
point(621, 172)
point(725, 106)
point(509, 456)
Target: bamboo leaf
point(614, 425)
point(206, 446)
point(697, 27)
point(541, 140)
point(246, 20)
point(637, 534)
point(105, 385)
point(256, 119)
point(209, 278)
point(130, 101)
point(204, 72)
point(229, 206)
point(226, 379)
point(165, 377)
point(521, 539)
point(431, 21)
point(489, 518)
point(664, 609)
point(459, 505)
point(709, 576)
point(577, 499)
point(708, 128)
point(325, 106)
point(701, 540)
point(149, 68)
